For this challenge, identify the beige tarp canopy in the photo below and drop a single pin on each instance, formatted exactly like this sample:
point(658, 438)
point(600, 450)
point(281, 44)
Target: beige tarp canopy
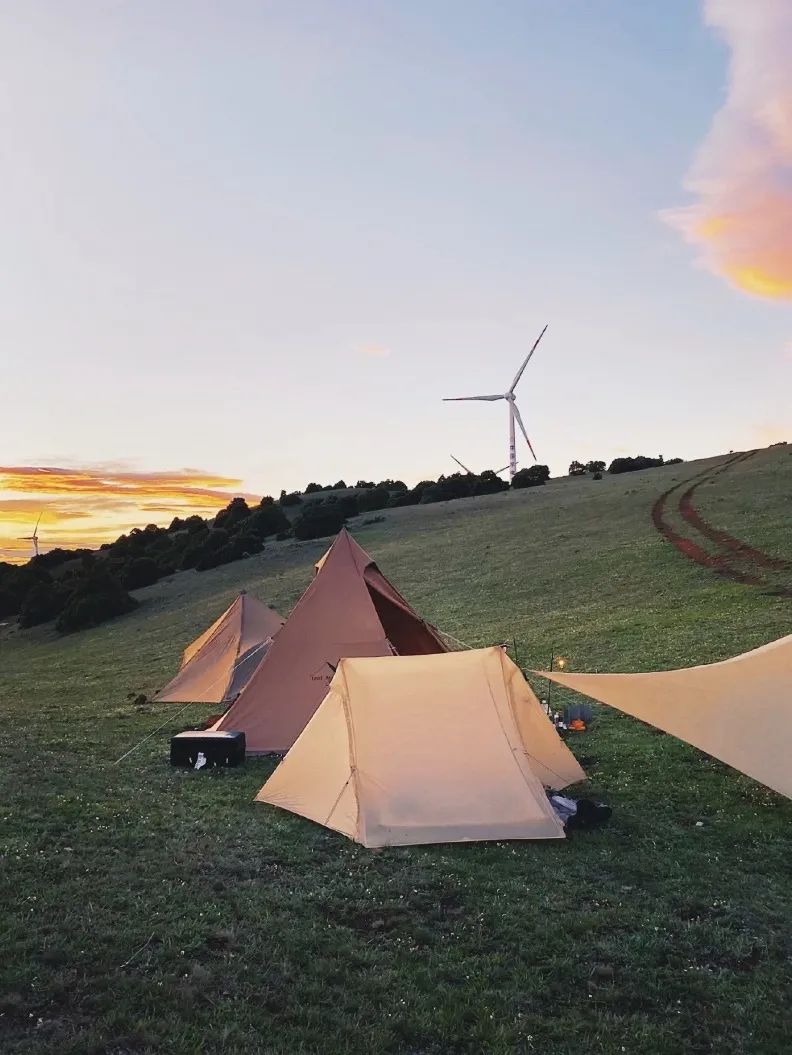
point(738, 711)
point(350, 609)
point(218, 664)
point(427, 749)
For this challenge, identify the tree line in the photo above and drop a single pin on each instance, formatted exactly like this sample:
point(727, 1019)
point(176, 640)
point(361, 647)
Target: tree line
point(81, 588)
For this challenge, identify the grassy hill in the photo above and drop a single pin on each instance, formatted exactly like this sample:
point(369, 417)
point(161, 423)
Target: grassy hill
point(154, 910)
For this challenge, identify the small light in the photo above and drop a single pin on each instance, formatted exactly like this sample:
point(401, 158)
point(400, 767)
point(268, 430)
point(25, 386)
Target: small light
point(561, 663)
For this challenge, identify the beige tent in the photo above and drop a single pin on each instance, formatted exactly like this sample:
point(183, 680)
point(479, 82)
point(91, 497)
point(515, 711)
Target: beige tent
point(350, 609)
point(427, 749)
point(218, 664)
point(739, 711)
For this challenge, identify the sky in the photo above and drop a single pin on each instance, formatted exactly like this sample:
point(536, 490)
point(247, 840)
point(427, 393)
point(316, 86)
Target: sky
point(248, 245)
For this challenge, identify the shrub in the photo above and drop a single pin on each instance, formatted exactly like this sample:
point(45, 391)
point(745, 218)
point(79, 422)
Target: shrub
point(430, 494)
point(139, 572)
point(419, 489)
point(266, 520)
point(214, 558)
point(216, 539)
point(678, 461)
point(404, 498)
point(15, 582)
point(311, 489)
point(52, 559)
point(392, 485)
point(338, 486)
point(349, 505)
point(9, 602)
point(597, 475)
point(245, 543)
point(42, 602)
point(291, 498)
point(318, 521)
point(489, 483)
point(364, 483)
point(373, 498)
point(282, 535)
point(204, 542)
point(236, 511)
point(577, 468)
point(533, 476)
point(192, 552)
point(96, 597)
point(195, 524)
point(631, 465)
point(456, 485)
point(595, 467)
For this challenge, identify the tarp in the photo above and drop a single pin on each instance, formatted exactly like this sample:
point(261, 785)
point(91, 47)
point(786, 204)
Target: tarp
point(349, 609)
point(427, 749)
point(218, 664)
point(738, 711)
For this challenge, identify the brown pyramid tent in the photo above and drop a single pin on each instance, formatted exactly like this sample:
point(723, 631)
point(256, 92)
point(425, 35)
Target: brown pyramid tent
point(218, 664)
point(350, 609)
point(427, 749)
point(738, 711)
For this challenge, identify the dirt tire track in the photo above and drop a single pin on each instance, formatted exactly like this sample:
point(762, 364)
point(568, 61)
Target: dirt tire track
point(728, 542)
point(693, 551)
point(736, 548)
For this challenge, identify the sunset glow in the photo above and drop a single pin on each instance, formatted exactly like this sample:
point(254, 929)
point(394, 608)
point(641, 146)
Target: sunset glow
point(754, 280)
point(89, 506)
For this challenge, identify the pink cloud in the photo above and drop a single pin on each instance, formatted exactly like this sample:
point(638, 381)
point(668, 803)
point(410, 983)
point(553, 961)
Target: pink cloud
point(741, 219)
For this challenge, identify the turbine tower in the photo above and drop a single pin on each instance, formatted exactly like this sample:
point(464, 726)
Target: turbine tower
point(514, 413)
point(33, 538)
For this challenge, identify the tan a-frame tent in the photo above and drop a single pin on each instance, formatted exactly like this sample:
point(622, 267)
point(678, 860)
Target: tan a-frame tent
point(349, 609)
point(739, 711)
point(218, 664)
point(427, 749)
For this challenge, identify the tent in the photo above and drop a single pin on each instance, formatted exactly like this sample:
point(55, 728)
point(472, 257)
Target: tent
point(739, 711)
point(427, 749)
point(349, 609)
point(218, 664)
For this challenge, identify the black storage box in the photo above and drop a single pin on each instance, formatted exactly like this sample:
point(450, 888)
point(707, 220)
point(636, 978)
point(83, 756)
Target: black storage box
point(219, 749)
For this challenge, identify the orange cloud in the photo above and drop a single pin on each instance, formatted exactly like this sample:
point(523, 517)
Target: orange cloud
point(741, 220)
point(88, 506)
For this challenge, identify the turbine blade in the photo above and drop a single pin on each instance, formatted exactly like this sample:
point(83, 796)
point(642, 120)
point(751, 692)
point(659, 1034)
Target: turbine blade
point(527, 359)
point(461, 466)
point(458, 399)
point(35, 529)
point(522, 429)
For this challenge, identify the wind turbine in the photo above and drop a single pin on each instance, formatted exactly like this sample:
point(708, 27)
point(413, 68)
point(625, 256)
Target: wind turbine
point(33, 538)
point(514, 413)
point(461, 466)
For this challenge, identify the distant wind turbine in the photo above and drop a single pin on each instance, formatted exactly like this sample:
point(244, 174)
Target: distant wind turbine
point(514, 413)
point(33, 538)
point(461, 466)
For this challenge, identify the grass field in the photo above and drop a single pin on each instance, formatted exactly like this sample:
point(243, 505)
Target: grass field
point(150, 910)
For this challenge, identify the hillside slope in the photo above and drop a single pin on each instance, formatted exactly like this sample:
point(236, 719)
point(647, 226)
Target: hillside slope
point(153, 910)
